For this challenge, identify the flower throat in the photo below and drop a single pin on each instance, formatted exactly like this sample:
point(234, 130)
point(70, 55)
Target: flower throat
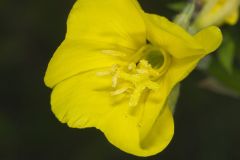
point(141, 73)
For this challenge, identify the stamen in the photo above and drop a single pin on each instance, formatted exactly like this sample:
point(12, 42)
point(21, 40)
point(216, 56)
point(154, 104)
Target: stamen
point(108, 72)
point(152, 85)
point(103, 73)
point(114, 81)
point(134, 99)
point(131, 66)
point(113, 53)
point(114, 68)
point(141, 74)
point(140, 79)
point(119, 91)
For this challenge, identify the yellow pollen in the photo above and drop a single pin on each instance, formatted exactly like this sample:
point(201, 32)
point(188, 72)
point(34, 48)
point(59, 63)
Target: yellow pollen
point(139, 76)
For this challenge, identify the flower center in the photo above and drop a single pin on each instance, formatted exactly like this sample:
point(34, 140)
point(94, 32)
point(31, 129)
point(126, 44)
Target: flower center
point(142, 72)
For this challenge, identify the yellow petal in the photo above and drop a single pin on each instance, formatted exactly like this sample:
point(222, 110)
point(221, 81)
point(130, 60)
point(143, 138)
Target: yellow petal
point(180, 68)
point(186, 50)
point(74, 57)
point(115, 22)
point(233, 17)
point(177, 71)
point(210, 38)
point(82, 100)
point(160, 134)
point(123, 131)
point(171, 37)
point(153, 106)
point(85, 101)
point(95, 28)
point(155, 103)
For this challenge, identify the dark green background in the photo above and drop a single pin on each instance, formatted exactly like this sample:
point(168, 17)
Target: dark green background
point(207, 125)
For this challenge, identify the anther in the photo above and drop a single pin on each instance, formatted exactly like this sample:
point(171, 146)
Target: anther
point(119, 91)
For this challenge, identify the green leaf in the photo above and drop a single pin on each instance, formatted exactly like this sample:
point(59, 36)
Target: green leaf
point(183, 18)
point(204, 64)
point(214, 85)
point(173, 98)
point(177, 6)
point(231, 81)
point(226, 52)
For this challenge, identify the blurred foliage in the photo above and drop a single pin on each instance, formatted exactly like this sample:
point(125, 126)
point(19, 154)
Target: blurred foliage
point(226, 52)
point(225, 65)
point(206, 124)
point(177, 6)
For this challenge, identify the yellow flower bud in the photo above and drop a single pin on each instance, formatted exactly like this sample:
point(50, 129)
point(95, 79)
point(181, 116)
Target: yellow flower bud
point(217, 12)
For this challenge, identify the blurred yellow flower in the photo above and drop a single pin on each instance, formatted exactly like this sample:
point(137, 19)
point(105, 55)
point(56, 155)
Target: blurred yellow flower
point(217, 12)
point(115, 69)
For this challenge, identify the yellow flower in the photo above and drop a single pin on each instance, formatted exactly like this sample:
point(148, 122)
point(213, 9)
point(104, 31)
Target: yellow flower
point(217, 12)
point(115, 70)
